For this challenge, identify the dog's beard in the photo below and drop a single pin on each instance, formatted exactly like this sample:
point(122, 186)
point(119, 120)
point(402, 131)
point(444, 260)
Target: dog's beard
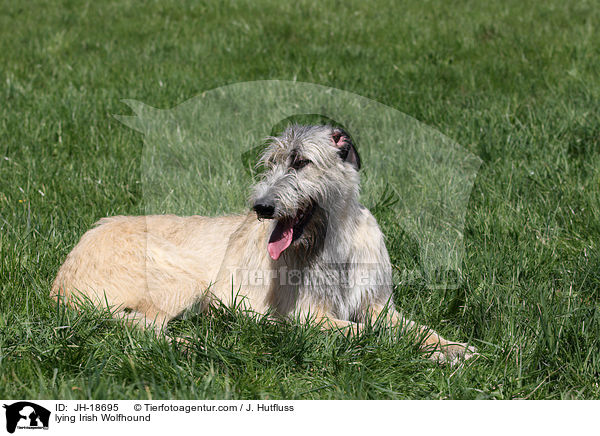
point(305, 241)
point(288, 231)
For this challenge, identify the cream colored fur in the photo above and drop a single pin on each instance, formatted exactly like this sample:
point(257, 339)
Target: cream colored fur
point(151, 269)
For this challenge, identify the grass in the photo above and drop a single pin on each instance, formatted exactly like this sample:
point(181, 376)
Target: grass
point(514, 83)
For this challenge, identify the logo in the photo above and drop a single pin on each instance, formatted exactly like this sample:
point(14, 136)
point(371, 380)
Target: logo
point(26, 415)
point(418, 178)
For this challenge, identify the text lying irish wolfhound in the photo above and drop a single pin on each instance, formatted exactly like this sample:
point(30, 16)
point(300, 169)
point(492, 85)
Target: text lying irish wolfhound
point(309, 249)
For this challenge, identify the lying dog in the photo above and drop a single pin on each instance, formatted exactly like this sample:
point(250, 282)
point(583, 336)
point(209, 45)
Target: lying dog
point(308, 249)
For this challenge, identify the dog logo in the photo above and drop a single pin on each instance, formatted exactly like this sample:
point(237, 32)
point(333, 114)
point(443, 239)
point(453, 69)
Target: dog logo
point(415, 175)
point(26, 415)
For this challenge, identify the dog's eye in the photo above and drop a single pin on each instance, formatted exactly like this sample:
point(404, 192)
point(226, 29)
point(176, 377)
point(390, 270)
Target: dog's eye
point(299, 163)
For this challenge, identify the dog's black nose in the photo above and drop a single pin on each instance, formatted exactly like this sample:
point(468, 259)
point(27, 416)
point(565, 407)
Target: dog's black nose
point(264, 209)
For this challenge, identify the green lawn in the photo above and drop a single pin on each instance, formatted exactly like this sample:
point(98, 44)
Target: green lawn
point(515, 83)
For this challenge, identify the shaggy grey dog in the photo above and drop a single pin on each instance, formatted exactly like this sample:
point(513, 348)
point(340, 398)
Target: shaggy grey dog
point(308, 250)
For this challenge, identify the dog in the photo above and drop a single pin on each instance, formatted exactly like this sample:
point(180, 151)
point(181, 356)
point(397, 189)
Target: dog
point(307, 249)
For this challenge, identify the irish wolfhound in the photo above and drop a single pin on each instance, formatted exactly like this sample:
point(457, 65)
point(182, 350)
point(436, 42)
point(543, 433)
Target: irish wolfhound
point(308, 249)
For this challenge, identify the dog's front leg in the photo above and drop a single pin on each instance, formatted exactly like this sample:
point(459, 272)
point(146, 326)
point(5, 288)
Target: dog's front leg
point(439, 349)
point(329, 322)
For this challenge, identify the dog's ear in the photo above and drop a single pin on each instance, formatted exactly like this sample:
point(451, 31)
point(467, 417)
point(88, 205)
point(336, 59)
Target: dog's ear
point(342, 141)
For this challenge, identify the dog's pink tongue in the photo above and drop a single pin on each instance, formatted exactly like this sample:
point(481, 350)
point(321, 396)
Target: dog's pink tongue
point(281, 238)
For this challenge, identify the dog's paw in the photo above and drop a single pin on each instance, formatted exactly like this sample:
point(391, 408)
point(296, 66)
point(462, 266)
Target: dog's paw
point(186, 346)
point(453, 353)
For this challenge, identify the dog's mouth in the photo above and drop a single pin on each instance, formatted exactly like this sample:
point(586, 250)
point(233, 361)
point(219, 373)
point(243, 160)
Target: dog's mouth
point(288, 230)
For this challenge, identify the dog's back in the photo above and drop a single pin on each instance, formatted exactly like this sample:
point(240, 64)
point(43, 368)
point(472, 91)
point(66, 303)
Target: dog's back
point(155, 265)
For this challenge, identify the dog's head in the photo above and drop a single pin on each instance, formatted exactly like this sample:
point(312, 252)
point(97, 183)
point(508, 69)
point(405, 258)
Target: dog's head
point(311, 175)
